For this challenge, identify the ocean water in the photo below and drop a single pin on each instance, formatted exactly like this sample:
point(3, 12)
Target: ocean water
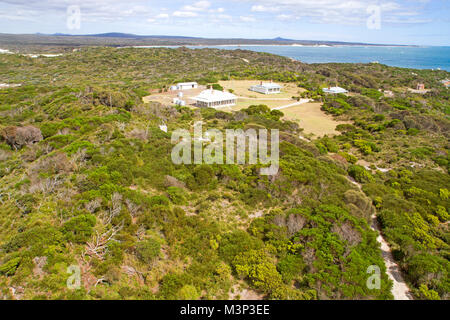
point(405, 57)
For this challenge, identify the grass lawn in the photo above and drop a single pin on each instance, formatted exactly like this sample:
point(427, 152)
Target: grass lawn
point(245, 103)
point(312, 119)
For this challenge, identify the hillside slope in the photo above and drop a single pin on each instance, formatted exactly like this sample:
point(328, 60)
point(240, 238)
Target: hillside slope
point(94, 188)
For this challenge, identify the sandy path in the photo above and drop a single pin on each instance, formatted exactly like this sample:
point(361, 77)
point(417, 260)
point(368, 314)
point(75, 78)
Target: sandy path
point(400, 290)
point(302, 101)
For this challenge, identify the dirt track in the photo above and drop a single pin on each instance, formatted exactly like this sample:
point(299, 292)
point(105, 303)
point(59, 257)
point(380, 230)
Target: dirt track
point(400, 290)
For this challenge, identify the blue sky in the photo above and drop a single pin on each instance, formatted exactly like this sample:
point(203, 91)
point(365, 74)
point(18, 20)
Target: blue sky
point(421, 22)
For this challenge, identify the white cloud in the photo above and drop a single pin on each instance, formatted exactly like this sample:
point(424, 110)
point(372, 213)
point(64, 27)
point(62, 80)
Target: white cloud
point(220, 18)
point(224, 17)
point(95, 10)
point(342, 11)
point(319, 11)
point(197, 6)
point(218, 10)
point(284, 17)
point(185, 14)
point(247, 19)
point(162, 16)
point(408, 21)
point(261, 8)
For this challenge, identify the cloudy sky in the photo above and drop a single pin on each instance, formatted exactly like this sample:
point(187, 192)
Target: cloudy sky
point(422, 22)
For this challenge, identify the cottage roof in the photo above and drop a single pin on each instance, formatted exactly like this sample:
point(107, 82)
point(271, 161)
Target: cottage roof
point(334, 90)
point(214, 95)
point(186, 83)
point(268, 85)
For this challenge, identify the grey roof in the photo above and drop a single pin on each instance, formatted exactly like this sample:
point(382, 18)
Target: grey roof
point(268, 85)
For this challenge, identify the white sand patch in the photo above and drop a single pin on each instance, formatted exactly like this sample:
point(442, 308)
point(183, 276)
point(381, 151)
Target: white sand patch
point(47, 55)
point(7, 85)
point(304, 139)
point(5, 51)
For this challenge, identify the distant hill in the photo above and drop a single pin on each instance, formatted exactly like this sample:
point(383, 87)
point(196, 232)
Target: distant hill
point(126, 39)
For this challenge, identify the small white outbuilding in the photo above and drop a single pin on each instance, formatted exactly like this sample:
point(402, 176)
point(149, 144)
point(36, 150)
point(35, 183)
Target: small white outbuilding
point(211, 98)
point(334, 90)
point(187, 85)
point(178, 102)
point(266, 88)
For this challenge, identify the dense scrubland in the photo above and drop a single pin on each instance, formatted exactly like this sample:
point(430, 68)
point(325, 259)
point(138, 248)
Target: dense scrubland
point(87, 180)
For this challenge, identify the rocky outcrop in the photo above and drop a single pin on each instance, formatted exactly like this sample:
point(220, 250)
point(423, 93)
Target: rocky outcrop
point(170, 181)
point(18, 137)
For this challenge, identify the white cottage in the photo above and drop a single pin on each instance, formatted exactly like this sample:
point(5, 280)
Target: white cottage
point(215, 99)
point(266, 88)
point(334, 90)
point(187, 85)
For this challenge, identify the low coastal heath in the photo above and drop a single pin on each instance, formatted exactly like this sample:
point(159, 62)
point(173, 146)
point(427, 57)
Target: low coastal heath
point(213, 152)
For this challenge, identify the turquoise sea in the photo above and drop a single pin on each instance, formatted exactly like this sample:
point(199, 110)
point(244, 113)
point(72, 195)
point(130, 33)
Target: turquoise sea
point(406, 57)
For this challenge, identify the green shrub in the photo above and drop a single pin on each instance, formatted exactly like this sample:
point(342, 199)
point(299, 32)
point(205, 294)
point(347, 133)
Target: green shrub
point(360, 174)
point(10, 267)
point(147, 251)
point(204, 177)
point(290, 267)
point(79, 229)
point(372, 93)
point(217, 86)
point(256, 266)
point(159, 201)
point(235, 243)
point(188, 292)
point(177, 195)
point(349, 157)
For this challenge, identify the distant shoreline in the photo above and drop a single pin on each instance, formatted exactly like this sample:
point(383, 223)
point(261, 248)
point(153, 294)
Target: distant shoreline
point(275, 45)
point(414, 57)
point(122, 39)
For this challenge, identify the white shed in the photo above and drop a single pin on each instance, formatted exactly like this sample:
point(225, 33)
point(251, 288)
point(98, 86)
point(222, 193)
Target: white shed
point(334, 90)
point(187, 85)
point(266, 88)
point(178, 102)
